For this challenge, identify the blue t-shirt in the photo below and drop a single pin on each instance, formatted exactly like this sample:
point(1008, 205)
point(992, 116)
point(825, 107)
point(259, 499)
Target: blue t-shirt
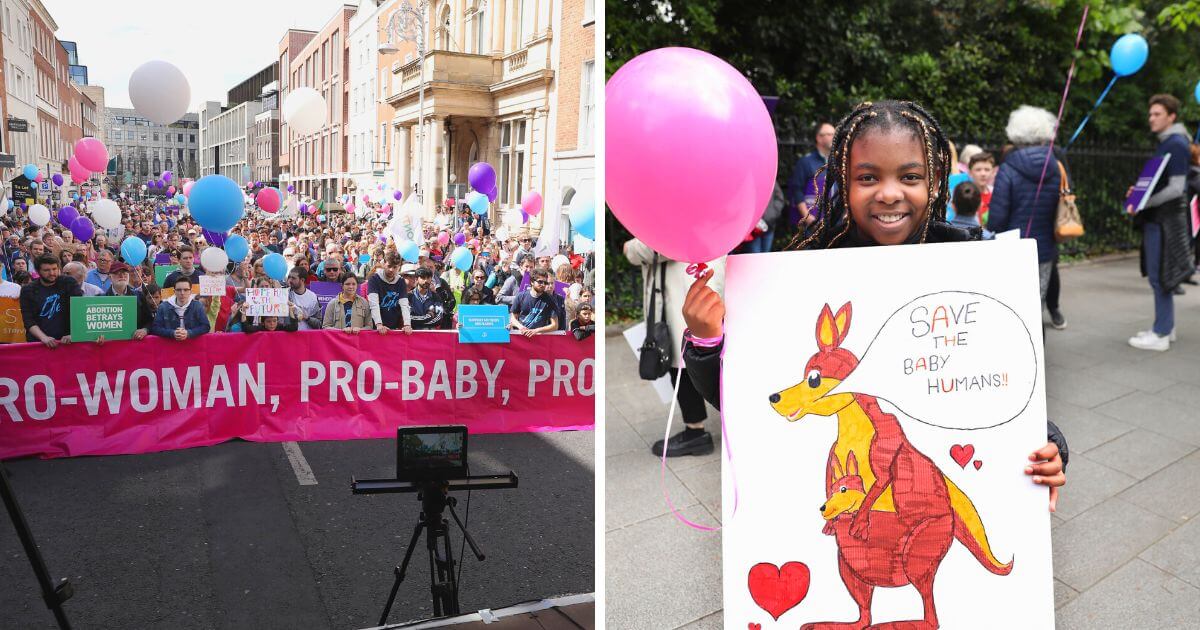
point(534, 312)
point(389, 299)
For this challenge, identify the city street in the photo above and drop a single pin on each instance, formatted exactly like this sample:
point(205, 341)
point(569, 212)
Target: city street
point(1126, 538)
point(238, 536)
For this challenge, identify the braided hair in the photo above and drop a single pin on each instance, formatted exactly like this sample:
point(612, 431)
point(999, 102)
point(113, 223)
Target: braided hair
point(833, 199)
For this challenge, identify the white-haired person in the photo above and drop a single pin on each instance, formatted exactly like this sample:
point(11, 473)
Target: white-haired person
point(1016, 201)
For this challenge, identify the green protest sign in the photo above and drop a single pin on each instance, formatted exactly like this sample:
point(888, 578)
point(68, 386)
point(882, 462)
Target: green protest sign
point(112, 317)
point(161, 272)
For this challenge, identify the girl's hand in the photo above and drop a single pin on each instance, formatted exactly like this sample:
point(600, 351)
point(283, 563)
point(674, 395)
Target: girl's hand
point(1047, 470)
point(703, 308)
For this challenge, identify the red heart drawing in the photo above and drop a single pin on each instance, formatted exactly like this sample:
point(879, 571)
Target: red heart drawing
point(962, 454)
point(755, 626)
point(777, 590)
point(978, 464)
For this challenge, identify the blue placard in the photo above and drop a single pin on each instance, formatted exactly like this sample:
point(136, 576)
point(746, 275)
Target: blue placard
point(479, 323)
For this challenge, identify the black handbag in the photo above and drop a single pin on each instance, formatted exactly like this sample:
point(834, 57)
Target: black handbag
point(654, 360)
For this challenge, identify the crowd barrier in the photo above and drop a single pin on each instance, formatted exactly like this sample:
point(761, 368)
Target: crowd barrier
point(160, 394)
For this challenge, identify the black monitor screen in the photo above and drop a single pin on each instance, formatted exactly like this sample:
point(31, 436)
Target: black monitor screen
point(426, 452)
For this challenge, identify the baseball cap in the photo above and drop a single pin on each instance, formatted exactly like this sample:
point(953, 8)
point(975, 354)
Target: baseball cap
point(118, 267)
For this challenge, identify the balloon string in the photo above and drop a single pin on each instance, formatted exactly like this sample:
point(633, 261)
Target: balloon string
point(1094, 108)
point(663, 470)
point(1062, 104)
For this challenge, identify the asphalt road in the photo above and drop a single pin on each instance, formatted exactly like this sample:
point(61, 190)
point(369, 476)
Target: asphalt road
point(227, 537)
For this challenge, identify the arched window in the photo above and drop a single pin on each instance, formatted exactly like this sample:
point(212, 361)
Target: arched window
point(443, 25)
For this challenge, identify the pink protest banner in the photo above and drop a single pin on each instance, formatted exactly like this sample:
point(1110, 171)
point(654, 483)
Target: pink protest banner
point(159, 394)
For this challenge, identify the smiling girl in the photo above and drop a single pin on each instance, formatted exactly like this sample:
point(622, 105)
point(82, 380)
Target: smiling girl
point(887, 186)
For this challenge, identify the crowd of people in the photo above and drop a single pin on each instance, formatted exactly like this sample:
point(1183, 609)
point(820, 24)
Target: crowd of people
point(47, 265)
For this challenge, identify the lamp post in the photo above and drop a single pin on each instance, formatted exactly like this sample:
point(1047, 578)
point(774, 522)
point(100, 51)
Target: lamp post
point(407, 24)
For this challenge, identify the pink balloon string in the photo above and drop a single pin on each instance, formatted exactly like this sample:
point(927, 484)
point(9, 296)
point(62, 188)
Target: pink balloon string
point(1061, 107)
point(663, 467)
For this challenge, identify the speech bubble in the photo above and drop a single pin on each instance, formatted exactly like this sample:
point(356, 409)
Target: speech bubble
point(952, 359)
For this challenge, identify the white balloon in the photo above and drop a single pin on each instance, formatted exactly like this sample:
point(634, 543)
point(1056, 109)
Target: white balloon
point(214, 259)
point(558, 261)
point(106, 213)
point(160, 92)
point(304, 110)
point(39, 215)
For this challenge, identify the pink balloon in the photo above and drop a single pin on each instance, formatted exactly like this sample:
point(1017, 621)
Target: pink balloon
point(171, 189)
point(366, 199)
point(474, 243)
point(443, 238)
point(689, 169)
point(91, 154)
point(187, 188)
point(350, 207)
point(77, 170)
point(39, 178)
point(268, 200)
point(532, 203)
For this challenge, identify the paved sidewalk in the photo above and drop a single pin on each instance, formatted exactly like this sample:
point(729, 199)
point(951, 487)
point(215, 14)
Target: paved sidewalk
point(1126, 536)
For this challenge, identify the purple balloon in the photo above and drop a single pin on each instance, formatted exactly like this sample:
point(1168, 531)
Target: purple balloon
point(57, 179)
point(291, 188)
point(212, 238)
point(482, 176)
point(67, 214)
point(460, 238)
point(524, 217)
point(83, 229)
point(397, 195)
point(166, 176)
point(492, 195)
point(303, 208)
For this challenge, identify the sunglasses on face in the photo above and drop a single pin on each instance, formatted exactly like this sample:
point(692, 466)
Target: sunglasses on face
point(540, 282)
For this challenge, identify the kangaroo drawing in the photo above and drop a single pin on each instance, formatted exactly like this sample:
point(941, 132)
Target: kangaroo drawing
point(893, 513)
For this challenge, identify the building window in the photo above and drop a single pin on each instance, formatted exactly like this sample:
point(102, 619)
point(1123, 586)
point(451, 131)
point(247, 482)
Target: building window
point(512, 160)
point(478, 25)
point(587, 104)
point(383, 143)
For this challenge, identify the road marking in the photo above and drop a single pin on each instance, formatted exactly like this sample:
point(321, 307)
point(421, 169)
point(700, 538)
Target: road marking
point(304, 474)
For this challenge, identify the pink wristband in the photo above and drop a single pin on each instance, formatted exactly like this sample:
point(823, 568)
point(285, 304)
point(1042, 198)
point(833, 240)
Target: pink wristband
point(703, 342)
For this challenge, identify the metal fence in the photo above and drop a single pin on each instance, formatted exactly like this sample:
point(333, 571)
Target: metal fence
point(1100, 171)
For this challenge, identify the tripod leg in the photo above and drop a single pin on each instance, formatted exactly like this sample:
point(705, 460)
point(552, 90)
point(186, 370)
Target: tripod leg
point(53, 596)
point(452, 578)
point(400, 570)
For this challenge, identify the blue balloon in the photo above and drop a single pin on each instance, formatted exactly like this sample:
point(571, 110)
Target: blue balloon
point(583, 218)
point(478, 202)
point(462, 258)
point(237, 248)
point(274, 264)
point(217, 203)
point(409, 251)
point(1198, 91)
point(1129, 54)
point(180, 199)
point(30, 171)
point(364, 259)
point(133, 250)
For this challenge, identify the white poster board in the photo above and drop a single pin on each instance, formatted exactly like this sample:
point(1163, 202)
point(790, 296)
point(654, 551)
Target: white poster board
point(213, 285)
point(267, 302)
point(827, 369)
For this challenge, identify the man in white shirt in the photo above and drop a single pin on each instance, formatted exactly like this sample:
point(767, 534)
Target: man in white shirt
point(305, 300)
point(77, 271)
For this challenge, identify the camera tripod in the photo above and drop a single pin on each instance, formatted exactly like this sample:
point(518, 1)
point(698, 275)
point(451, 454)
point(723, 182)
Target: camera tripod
point(53, 595)
point(443, 581)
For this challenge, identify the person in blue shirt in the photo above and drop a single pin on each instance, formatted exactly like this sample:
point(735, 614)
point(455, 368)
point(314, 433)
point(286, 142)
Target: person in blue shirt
point(100, 275)
point(1166, 240)
point(967, 198)
point(180, 317)
point(799, 207)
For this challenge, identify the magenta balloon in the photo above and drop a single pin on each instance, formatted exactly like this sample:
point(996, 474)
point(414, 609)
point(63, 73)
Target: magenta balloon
point(443, 238)
point(91, 154)
point(83, 229)
point(268, 200)
point(691, 153)
point(482, 176)
point(532, 203)
point(76, 169)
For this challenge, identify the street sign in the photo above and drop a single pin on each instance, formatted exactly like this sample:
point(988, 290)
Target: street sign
point(8, 160)
point(18, 124)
